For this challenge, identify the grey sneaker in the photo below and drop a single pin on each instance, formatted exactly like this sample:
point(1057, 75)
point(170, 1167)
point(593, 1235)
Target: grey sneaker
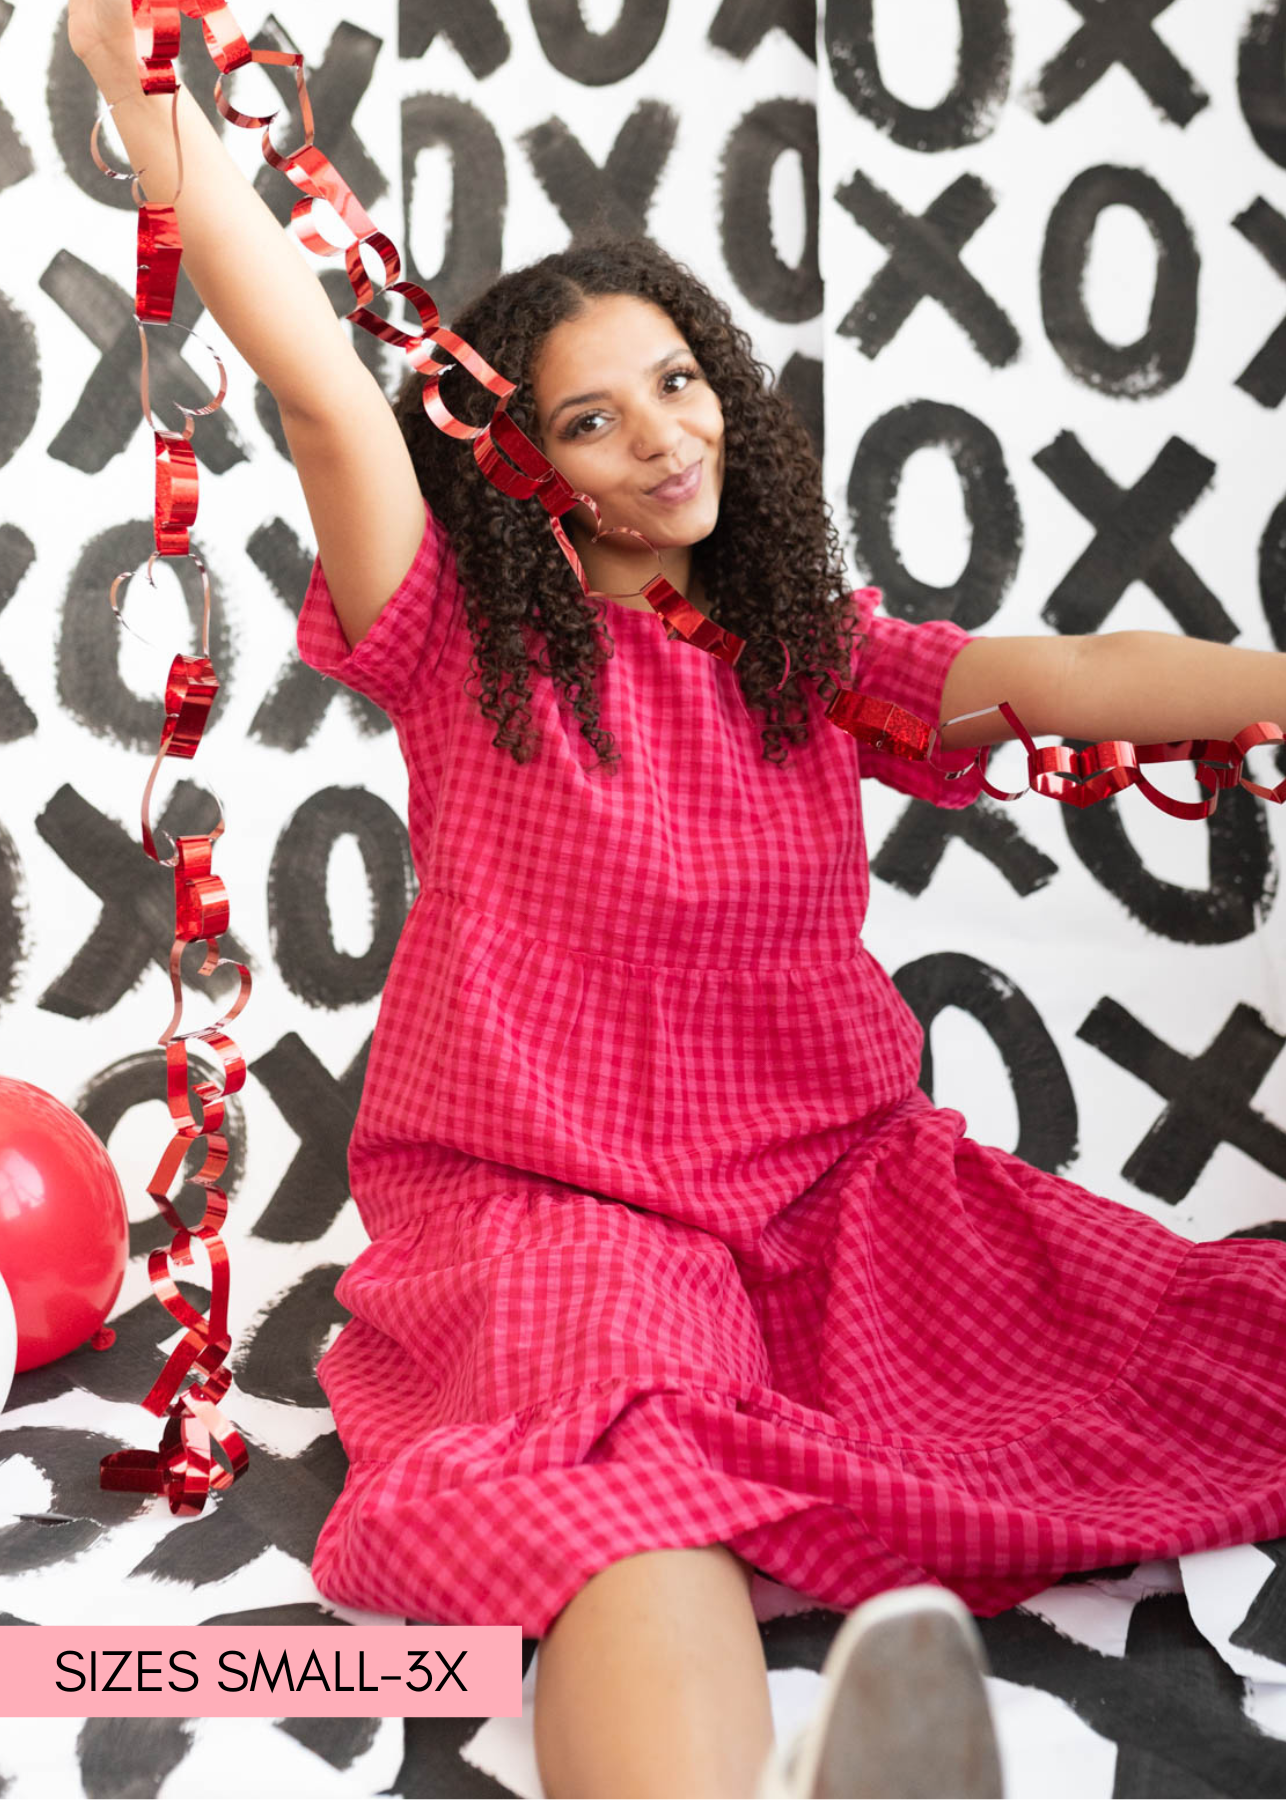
point(903, 1713)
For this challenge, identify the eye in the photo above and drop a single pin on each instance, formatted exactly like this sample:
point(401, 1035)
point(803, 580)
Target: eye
point(574, 429)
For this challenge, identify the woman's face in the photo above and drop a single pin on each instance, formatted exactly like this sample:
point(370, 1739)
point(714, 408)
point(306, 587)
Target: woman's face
point(622, 407)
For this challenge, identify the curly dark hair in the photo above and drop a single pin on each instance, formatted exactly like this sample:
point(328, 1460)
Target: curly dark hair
point(771, 568)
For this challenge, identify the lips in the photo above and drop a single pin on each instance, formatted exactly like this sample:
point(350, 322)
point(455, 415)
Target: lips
point(679, 487)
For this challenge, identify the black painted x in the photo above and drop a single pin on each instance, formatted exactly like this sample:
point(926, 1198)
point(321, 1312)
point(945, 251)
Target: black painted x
point(1263, 1629)
point(290, 714)
point(1133, 527)
point(16, 554)
point(1118, 31)
point(107, 415)
point(619, 194)
point(924, 263)
point(740, 26)
point(321, 1111)
point(473, 26)
point(1171, 1704)
point(1264, 376)
point(336, 87)
point(136, 925)
point(15, 159)
point(909, 856)
point(1208, 1096)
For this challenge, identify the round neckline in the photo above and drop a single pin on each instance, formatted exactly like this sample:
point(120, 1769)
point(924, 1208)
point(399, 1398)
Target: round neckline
point(616, 609)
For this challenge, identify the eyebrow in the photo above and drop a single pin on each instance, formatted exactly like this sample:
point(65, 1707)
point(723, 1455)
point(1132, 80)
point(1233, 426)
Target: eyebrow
point(580, 399)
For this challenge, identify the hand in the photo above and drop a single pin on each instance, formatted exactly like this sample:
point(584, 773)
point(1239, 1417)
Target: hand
point(102, 31)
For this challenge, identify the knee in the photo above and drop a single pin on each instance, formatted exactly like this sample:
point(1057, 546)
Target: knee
point(640, 1572)
point(747, 1569)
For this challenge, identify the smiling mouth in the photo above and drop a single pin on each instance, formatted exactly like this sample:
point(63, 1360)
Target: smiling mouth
point(678, 485)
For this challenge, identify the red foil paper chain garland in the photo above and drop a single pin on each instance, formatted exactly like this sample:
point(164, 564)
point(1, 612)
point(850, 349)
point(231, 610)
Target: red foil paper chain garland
point(512, 463)
point(183, 1469)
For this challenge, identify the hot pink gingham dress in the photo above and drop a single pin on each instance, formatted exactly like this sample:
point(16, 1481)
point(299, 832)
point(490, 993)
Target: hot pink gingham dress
point(668, 1248)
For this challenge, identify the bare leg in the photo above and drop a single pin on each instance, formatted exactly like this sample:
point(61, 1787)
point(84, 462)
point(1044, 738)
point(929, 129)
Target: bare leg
point(651, 1682)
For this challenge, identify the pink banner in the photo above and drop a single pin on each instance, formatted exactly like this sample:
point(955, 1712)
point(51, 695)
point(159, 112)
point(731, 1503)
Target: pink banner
point(288, 1671)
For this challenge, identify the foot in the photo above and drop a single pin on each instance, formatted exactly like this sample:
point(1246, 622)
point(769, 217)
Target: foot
point(904, 1711)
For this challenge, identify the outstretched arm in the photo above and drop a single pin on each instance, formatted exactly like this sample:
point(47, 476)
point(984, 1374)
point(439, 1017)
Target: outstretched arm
point(1148, 687)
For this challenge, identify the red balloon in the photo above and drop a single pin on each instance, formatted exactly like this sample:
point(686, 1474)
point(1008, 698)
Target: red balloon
point(64, 1231)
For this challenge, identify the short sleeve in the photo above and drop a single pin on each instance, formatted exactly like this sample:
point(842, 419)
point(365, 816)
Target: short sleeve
point(907, 663)
point(398, 657)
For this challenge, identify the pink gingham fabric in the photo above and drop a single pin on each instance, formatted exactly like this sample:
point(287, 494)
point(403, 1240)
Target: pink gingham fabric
point(667, 1246)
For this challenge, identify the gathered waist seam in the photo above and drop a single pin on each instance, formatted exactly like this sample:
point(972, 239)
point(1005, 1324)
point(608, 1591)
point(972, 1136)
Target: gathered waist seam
point(565, 948)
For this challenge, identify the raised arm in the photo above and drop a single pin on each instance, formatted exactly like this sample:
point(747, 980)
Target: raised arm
point(352, 461)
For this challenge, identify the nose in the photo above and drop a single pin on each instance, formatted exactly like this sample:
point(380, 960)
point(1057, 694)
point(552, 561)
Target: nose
point(658, 433)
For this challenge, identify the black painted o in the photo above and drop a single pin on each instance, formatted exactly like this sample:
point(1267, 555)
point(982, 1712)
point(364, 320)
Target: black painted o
point(279, 1363)
point(991, 507)
point(1261, 78)
point(1243, 872)
point(598, 58)
point(767, 132)
point(12, 935)
point(137, 1080)
point(1272, 588)
point(471, 255)
point(1272, 574)
point(1047, 1122)
point(966, 115)
point(63, 1454)
point(90, 637)
point(72, 101)
point(299, 920)
point(1158, 359)
point(19, 378)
